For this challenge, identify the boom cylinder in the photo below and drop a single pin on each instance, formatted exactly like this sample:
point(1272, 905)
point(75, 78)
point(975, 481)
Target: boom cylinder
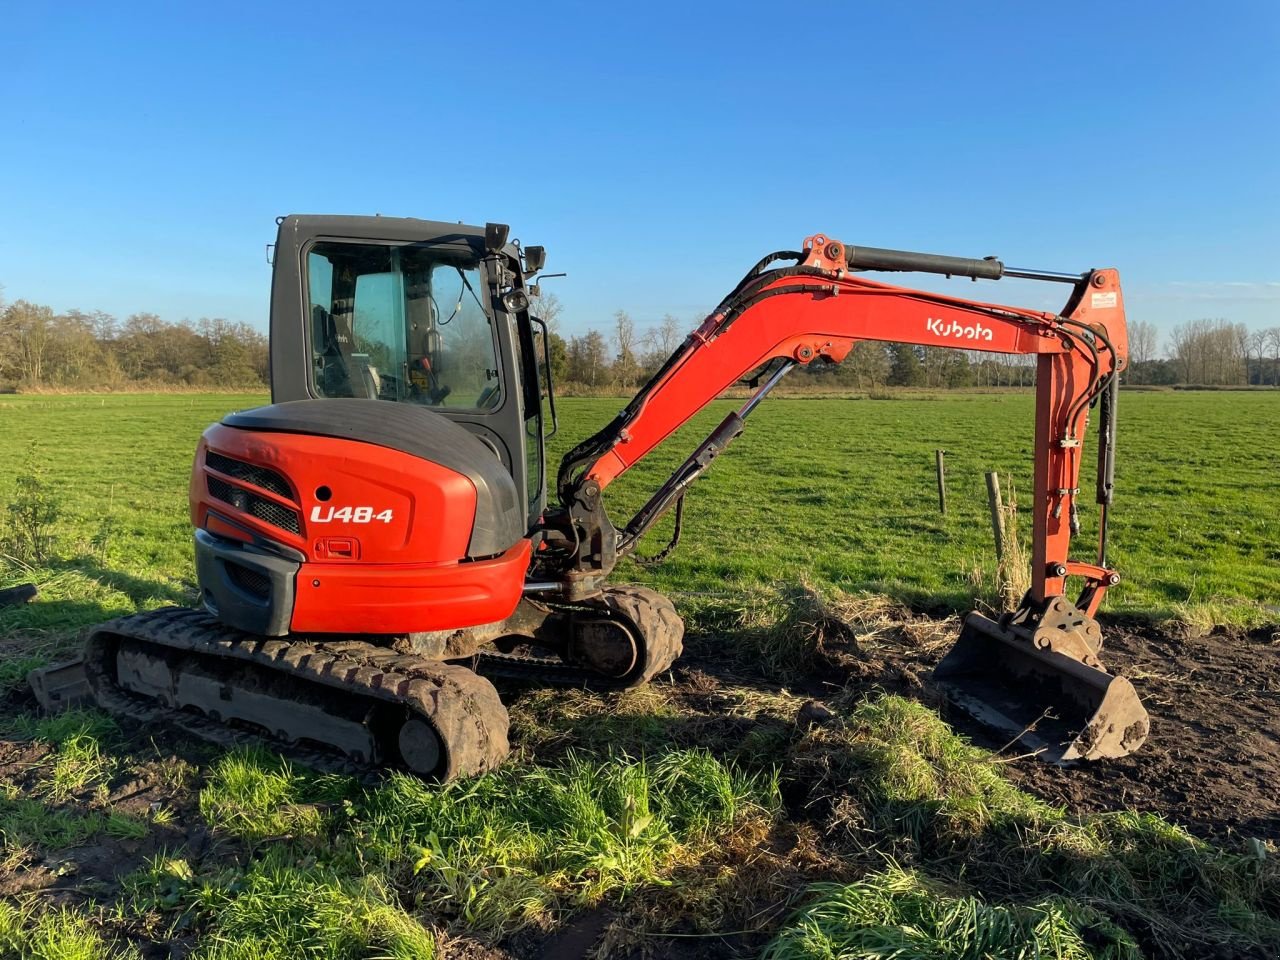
point(878, 258)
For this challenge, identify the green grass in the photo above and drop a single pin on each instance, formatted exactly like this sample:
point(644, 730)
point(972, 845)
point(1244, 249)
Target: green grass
point(78, 765)
point(839, 491)
point(842, 492)
point(13, 673)
point(899, 781)
point(59, 728)
point(256, 796)
point(279, 910)
point(505, 850)
point(901, 915)
point(41, 817)
point(27, 822)
point(78, 762)
point(29, 933)
point(119, 466)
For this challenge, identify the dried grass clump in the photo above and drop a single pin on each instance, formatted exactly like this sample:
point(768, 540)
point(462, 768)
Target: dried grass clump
point(791, 629)
point(1013, 571)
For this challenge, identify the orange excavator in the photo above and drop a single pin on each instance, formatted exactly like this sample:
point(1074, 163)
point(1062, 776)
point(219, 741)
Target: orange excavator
point(378, 543)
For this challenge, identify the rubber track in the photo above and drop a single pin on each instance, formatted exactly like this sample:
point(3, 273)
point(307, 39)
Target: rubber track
point(462, 707)
point(651, 613)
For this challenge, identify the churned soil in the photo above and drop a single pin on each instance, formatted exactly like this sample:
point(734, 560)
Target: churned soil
point(1212, 762)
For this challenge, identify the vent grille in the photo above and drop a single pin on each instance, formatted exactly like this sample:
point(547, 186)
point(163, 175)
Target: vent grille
point(258, 476)
point(252, 581)
point(254, 505)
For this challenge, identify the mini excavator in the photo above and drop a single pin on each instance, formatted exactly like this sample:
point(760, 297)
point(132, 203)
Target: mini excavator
point(378, 543)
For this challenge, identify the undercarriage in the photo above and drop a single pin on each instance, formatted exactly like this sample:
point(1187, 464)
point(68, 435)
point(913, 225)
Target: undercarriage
point(422, 703)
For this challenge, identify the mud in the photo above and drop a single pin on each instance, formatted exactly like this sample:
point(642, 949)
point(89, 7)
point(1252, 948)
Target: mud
point(94, 868)
point(1212, 763)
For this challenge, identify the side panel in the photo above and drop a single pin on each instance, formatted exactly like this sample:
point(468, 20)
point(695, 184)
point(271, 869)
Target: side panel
point(423, 433)
point(318, 534)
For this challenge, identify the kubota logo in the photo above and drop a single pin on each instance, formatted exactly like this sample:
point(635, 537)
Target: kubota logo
point(958, 331)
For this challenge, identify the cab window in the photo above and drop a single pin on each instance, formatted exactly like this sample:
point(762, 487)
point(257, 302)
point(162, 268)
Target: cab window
point(407, 324)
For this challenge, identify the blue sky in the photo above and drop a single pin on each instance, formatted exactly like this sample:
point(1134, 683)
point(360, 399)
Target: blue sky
point(655, 149)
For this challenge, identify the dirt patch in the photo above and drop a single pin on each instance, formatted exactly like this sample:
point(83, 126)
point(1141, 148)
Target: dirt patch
point(1213, 759)
point(162, 812)
point(1210, 764)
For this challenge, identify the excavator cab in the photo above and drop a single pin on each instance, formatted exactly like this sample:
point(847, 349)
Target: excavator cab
point(418, 312)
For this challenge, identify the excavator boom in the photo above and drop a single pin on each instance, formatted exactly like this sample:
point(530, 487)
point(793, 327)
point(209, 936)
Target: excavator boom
point(780, 317)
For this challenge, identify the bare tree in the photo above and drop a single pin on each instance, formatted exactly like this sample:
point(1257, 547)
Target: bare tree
point(624, 338)
point(658, 343)
point(587, 358)
point(1258, 347)
point(547, 308)
point(1209, 351)
point(1241, 333)
point(76, 349)
point(1142, 348)
point(28, 331)
point(1273, 344)
point(1179, 350)
point(868, 364)
point(668, 335)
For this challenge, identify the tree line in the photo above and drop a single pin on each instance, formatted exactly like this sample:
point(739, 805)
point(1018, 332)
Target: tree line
point(40, 348)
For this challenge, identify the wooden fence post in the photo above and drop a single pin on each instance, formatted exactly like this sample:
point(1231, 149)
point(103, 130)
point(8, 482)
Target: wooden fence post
point(942, 481)
point(997, 512)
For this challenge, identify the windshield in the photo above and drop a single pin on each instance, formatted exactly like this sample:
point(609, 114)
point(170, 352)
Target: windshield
point(401, 323)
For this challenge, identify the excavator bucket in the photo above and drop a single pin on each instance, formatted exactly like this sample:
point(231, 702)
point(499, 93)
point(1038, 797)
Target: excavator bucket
point(1054, 697)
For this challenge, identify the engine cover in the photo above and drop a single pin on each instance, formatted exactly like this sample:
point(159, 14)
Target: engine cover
point(396, 519)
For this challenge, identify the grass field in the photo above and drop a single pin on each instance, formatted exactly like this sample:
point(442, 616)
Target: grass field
point(841, 492)
point(693, 818)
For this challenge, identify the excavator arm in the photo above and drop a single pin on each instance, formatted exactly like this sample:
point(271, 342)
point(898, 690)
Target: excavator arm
point(818, 310)
point(779, 317)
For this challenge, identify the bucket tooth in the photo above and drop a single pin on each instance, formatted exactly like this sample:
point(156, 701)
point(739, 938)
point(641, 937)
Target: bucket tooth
point(1046, 689)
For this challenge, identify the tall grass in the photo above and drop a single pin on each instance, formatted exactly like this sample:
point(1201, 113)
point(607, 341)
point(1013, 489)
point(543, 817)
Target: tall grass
point(256, 795)
point(499, 852)
point(512, 847)
point(901, 915)
point(281, 910)
point(1013, 571)
point(30, 933)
